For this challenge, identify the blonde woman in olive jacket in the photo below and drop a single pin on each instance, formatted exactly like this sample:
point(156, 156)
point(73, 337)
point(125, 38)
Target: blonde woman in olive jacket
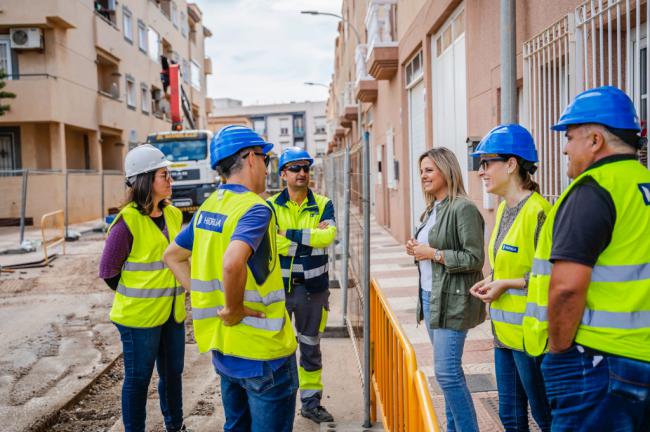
point(449, 249)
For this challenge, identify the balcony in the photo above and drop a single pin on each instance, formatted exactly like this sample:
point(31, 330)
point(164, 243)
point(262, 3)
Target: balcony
point(345, 122)
point(108, 38)
point(298, 132)
point(111, 112)
point(35, 96)
point(207, 66)
point(382, 58)
point(339, 133)
point(366, 85)
point(347, 103)
point(48, 13)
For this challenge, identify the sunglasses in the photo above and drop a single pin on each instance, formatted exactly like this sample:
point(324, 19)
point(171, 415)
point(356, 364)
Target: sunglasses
point(266, 157)
point(485, 163)
point(298, 168)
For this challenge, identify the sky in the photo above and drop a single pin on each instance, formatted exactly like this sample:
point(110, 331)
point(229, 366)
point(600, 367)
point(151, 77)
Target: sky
point(264, 50)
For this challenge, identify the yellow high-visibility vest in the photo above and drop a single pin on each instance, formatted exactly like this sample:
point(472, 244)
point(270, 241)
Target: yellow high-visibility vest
point(148, 290)
point(513, 259)
point(267, 338)
point(616, 318)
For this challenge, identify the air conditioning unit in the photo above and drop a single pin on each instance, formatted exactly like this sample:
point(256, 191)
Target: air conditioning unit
point(26, 38)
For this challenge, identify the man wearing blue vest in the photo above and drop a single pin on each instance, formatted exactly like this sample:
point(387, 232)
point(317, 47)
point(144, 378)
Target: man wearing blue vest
point(589, 289)
point(238, 300)
point(306, 228)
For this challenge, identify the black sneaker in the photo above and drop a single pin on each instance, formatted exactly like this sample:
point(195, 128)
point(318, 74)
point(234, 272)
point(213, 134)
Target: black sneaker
point(318, 414)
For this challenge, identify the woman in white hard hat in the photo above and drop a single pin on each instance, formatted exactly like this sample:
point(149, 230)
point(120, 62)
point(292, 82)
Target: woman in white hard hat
point(149, 304)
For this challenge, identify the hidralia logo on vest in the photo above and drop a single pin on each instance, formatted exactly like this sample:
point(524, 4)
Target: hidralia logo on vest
point(509, 248)
point(211, 221)
point(645, 191)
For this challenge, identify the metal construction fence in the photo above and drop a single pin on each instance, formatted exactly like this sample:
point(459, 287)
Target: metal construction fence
point(333, 186)
point(83, 195)
point(601, 42)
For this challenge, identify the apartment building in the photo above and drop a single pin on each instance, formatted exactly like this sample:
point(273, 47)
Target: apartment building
point(86, 75)
point(427, 74)
point(301, 124)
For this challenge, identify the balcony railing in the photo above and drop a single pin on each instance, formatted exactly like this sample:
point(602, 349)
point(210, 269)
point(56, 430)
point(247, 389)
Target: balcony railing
point(361, 54)
point(380, 24)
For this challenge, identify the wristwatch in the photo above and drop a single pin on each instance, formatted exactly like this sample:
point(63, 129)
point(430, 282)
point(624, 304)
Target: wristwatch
point(437, 255)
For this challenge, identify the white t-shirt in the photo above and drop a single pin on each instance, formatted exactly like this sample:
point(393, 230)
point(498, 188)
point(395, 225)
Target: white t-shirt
point(426, 268)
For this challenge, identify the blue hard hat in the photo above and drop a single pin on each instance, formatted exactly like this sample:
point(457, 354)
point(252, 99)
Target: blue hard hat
point(509, 139)
point(292, 154)
point(232, 139)
point(605, 105)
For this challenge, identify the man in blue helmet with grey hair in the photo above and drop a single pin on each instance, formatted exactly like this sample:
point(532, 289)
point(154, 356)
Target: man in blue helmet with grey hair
point(238, 299)
point(306, 228)
point(589, 289)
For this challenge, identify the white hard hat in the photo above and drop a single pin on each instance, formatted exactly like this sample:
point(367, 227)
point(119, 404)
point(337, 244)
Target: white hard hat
point(142, 159)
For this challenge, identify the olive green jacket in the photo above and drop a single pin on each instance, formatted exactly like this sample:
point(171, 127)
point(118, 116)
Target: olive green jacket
point(459, 234)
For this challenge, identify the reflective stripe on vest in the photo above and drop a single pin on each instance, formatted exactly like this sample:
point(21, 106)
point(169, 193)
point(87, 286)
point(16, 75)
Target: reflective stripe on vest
point(616, 318)
point(267, 338)
point(513, 259)
point(272, 324)
point(249, 295)
point(147, 291)
point(601, 273)
point(150, 266)
point(605, 319)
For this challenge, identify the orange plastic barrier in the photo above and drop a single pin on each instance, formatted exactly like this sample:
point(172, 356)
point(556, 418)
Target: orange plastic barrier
point(52, 223)
point(400, 389)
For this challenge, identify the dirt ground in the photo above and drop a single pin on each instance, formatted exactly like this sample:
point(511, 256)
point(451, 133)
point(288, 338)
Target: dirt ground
point(56, 340)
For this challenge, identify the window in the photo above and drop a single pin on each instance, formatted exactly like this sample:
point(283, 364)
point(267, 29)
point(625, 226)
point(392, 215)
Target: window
point(183, 24)
point(195, 75)
point(453, 31)
point(144, 98)
point(5, 55)
point(153, 42)
point(130, 92)
point(185, 72)
point(174, 15)
point(414, 70)
point(127, 24)
point(259, 126)
point(284, 131)
point(108, 75)
point(142, 36)
point(320, 125)
point(156, 102)
point(106, 9)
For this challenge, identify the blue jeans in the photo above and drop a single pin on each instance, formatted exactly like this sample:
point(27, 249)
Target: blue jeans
point(520, 382)
point(591, 391)
point(261, 404)
point(448, 352)
point(163, 346)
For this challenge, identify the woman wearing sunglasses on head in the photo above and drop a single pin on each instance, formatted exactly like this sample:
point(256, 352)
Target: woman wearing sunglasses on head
point(508, 158)
point(149, 304)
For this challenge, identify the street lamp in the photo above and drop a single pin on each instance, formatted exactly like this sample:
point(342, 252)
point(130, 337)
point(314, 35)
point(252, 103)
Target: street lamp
point(309, 83)
point(366, 232)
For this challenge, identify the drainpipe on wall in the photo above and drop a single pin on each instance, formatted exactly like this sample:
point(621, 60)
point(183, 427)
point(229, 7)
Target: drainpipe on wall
point(508, 63)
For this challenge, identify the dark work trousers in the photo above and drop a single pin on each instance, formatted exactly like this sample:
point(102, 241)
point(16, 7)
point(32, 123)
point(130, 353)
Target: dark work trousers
point(310, 310)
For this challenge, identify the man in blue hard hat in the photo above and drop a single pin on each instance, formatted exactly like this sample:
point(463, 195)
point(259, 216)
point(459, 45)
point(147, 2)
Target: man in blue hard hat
point(238, 301)
point(589, 289)
point(306, 228)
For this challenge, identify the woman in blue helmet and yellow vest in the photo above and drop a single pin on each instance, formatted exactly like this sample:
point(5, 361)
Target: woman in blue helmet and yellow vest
point(149, 304)
point(508, 158)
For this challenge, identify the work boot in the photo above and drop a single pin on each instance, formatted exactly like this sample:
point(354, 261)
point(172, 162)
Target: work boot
point(317, 414)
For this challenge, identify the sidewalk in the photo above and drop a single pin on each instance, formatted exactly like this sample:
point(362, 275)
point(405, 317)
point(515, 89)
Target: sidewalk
point(397, 277)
